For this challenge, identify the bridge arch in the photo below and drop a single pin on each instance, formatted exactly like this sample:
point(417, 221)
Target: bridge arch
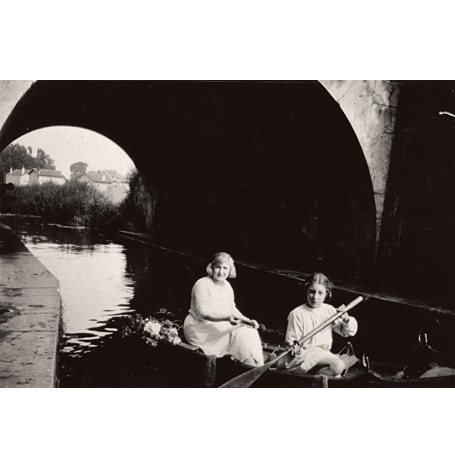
point(272, 171)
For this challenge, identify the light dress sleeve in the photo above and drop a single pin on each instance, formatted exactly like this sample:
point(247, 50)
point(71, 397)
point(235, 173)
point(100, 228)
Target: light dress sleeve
point(295, 328)
point(205, 301)
point(346, 329)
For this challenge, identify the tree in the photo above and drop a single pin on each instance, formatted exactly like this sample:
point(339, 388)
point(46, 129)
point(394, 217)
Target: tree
point(78, 169)
point(16, 156)
point(43, 160)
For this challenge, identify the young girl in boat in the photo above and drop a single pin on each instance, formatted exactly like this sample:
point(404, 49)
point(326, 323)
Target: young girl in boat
point(214, 323)
point(314, 356)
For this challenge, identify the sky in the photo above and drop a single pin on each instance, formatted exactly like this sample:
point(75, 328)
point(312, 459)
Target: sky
point(68, 145)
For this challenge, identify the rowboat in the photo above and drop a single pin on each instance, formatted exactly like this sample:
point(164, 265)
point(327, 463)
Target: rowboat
point(400, 342)
point(184, 365)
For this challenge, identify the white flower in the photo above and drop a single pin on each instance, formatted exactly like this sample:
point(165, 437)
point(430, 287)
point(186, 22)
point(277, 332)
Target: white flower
point(173, 332)
point(152, 328)
point(151, 342)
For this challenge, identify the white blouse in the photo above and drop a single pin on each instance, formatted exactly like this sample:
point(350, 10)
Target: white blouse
point(304, 319)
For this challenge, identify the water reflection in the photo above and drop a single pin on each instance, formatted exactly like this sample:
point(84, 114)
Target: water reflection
point(94, 282)
point(102, 281)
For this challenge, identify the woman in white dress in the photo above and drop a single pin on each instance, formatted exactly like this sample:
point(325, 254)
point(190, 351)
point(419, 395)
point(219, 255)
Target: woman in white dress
point(214, 324)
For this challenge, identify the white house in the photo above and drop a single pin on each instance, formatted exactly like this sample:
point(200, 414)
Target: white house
point(113, 185)
point(34, 176)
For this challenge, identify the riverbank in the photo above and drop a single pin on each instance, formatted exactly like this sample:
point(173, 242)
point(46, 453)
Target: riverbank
point(30, 317)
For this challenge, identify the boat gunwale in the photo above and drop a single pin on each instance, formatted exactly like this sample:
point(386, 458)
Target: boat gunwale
point(370, 380)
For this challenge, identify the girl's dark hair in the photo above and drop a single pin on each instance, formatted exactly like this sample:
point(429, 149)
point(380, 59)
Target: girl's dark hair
point(319, 278)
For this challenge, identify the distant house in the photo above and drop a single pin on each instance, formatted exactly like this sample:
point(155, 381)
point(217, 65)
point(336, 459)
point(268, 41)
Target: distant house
point(17, 177)
point(34, 176)
point(100, 179)
point(113, 185)
point(42, 176)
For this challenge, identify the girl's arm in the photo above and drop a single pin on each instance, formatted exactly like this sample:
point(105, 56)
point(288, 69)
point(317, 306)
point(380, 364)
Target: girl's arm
point(294, 330)
point(346, 326)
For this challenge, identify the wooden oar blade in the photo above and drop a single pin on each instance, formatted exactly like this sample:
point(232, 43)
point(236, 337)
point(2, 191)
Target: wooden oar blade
point(246, 379)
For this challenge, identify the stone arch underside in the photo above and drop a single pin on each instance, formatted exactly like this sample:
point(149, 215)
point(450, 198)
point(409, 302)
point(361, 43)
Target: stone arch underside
point(371, 107)
point(271, 171)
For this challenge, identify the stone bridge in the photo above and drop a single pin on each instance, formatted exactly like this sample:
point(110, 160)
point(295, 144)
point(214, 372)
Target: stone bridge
point(351, 177)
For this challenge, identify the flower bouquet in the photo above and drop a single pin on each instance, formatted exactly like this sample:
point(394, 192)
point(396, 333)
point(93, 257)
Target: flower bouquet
point(153, 329)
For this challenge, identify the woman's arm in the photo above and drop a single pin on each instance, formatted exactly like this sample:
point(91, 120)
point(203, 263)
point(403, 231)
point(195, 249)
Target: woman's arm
point(215, 311)
point(236, 313)
point(206, 308)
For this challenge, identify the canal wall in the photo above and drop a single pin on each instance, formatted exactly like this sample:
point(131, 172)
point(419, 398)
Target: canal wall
point(30, 317)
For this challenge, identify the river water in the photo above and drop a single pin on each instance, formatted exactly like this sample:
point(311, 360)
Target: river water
point(104, 280)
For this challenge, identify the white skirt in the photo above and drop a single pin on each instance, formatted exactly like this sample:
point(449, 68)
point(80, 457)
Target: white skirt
point(222, 338)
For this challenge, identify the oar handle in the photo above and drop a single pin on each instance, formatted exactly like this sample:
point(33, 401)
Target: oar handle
point(330, 320)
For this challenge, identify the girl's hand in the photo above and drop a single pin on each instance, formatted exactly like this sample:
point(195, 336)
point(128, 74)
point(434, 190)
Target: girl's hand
point(345, 316)
point(341, 308)
point(295, 351)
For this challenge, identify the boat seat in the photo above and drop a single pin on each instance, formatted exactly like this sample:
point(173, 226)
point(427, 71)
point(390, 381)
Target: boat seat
point(188, 346)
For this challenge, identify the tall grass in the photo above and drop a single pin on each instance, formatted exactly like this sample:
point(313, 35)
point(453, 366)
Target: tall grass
point(73, 203)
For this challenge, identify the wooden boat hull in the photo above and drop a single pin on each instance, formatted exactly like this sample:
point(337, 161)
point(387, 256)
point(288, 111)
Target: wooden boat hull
point(184, 366)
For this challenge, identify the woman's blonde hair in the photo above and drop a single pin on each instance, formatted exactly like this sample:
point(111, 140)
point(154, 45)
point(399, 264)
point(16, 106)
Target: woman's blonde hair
point(222, 257)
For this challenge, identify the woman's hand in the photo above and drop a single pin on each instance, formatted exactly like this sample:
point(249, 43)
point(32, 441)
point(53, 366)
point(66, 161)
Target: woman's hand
point(254, 324)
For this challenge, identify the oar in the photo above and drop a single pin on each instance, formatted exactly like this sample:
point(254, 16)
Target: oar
point(246, 379)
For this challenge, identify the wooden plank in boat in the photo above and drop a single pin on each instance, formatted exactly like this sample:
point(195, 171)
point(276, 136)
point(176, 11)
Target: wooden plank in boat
point(189, 347)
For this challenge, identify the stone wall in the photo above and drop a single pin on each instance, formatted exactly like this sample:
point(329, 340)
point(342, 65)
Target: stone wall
point(30, 319)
